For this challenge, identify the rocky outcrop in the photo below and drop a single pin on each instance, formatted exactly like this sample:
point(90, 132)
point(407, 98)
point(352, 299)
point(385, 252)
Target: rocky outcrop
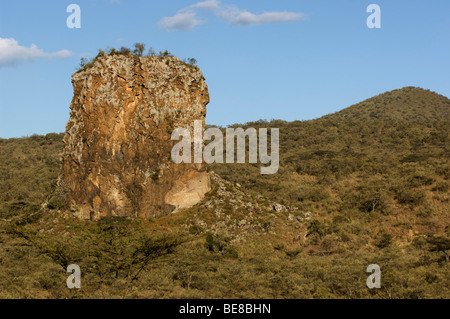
point(117, 154)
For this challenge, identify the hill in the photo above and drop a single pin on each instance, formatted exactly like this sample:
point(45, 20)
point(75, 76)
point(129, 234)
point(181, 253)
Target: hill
point(350, 192)
point(406, 104)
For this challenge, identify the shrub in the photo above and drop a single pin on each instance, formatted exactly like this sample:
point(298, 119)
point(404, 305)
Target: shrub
point(84, 62)
point(151, 52)
point(410, 196)
point(58, 201)
point(440, 244)
point(124, 50)
point(317, 228)
point(384, 240)
point(165, 54)
point(441, 187)
point(139, 49)
point(216, 243)
point(425, 212)
point(192, 61)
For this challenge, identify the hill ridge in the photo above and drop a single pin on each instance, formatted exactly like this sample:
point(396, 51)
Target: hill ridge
point(405, 104)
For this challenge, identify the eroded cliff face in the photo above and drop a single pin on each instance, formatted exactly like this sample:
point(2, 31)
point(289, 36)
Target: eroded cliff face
point(117, 155)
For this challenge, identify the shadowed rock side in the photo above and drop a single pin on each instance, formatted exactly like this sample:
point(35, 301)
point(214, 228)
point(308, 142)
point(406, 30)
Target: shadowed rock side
point(117, 154)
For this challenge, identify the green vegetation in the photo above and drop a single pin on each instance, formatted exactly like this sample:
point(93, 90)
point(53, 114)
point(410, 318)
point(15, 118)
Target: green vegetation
point(28, 172)
point(375, 191)
point(406, 104)
point(138, 51)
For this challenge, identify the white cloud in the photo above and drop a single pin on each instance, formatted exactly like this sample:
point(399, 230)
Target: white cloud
point(207, 5)
point(180, 21)
point(186, 18)
point(245, 18)
point(12, 53)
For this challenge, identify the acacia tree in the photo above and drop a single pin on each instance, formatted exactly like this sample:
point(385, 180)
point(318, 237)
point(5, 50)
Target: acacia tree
point(440, 244)
point(124, 50)
point(165, 53)
point(151, 52)
point(139, 49)
point(192, 61)
point(83, 62)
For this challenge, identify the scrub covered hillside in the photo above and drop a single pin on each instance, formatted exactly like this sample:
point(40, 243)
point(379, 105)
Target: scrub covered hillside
point(367, 185)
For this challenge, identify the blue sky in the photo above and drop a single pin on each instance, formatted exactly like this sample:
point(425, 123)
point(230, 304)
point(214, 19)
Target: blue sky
point(285, 59)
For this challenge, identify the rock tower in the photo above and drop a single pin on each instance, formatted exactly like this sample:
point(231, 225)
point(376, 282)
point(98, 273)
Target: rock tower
point(117, 153)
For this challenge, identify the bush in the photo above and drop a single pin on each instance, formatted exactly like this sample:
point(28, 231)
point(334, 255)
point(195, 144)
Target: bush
point(84, 62)
point(440, 244)
point(139, 49)
point(384, 240)
point(165, 54)
point(441, 187)
point(191, 61)
point(410, 196)
point(151, 52)
point(216, 243)
point(124, 50)
point(317, 228)
point(425, 212)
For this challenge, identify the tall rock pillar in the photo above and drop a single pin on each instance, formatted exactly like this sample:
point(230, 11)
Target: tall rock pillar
point(117, 154)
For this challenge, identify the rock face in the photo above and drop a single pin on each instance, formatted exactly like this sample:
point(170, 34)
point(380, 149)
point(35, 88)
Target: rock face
point(117, 154)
